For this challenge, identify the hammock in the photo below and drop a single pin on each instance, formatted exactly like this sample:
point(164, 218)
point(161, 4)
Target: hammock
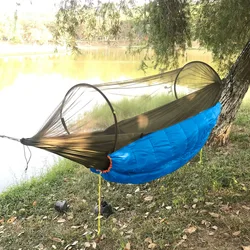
point(135, 131)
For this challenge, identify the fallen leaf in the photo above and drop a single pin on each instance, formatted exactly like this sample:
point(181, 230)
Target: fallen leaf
point(30, 217)
point(94, 244)
point(74, 243)
point(151, 205)
point(87, 244)
point(61, 220)
point(11, 220)
point(225, 208)
point(98, 217)
point(214, 227)
point(68, 247)
point(127, 247)
point(122, 226)
point(130, 231)
point(214, 215)
point(236, 233)
point(206, 223)
point(114, 220)
point(246, 207)
point(203, 211)
point(190, 230)
point(179, 243)
point(103, 237)
point(70, 217)
point(246, 247)
point(75, 227)
point(184, 237)
point(40, 246)
point(57, 240)
point(20, 234)
point(152, 245)
point(209, 203)
point(148, 198)
point(162, 220)
point(148, 240)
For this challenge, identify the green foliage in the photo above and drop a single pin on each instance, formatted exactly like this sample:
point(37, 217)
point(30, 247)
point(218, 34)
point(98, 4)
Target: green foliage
point(161, 26)
point(68, 19)
point(223, 27)
point(85, 21)
point(164, 28)
point(161, 29)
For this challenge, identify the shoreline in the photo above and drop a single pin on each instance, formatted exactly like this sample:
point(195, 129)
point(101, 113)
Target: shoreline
point(13, 50)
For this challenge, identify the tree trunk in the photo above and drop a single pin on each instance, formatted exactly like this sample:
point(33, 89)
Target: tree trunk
point(234, 88)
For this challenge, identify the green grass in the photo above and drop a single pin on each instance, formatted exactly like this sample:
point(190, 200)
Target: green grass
point(213, 197)
point(124, 109)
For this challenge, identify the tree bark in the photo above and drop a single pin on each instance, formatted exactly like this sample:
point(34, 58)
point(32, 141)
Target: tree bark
point(234, 88)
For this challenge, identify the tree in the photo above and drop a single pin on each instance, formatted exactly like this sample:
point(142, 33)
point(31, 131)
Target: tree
point(223, 27)
point(167, 27)
point(83, 20)
point(235, 86)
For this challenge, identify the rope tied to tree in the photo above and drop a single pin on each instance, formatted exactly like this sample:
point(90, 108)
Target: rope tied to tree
point(10, 138)
point(27, 159)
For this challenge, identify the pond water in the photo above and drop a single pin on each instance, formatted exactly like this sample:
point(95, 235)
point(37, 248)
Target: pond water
point(31, 86)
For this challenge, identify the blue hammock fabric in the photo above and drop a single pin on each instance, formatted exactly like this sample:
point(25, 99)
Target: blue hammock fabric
point(162, 152)
point(137, 130)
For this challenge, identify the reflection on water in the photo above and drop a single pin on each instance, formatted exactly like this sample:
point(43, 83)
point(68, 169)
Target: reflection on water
point(32, 86)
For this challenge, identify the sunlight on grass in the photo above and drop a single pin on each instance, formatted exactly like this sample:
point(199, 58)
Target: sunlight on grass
point(124, 109)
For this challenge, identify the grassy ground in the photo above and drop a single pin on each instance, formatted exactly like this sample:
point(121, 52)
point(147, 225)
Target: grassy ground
point(201, 206)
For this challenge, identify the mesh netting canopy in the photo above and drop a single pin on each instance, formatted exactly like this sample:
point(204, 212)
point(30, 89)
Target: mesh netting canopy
point(93, 121)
